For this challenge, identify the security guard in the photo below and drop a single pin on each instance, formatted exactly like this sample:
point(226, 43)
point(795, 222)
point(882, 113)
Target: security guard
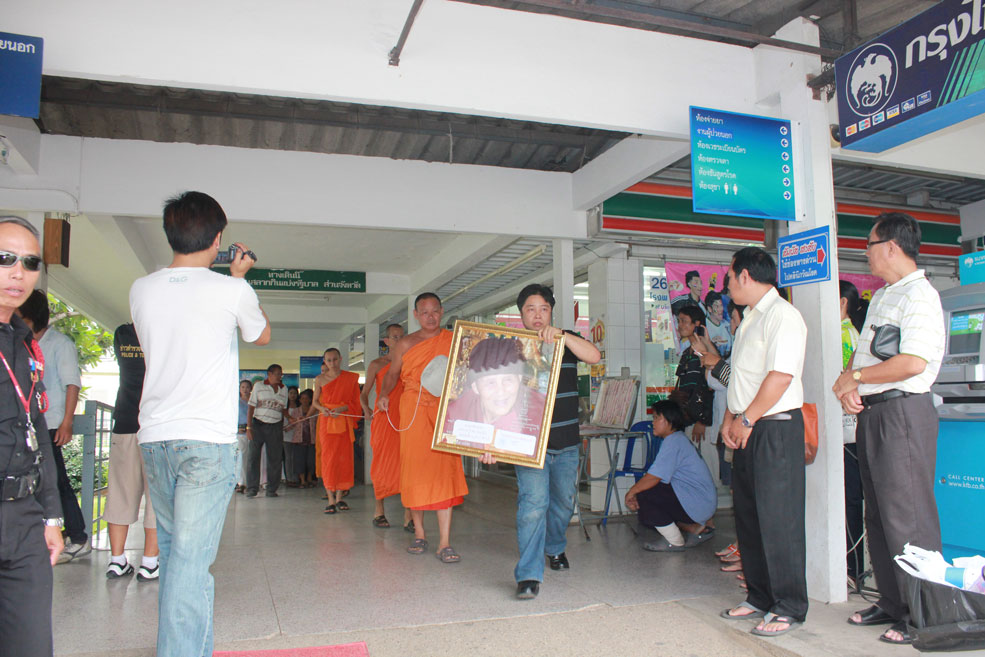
point(30, 510)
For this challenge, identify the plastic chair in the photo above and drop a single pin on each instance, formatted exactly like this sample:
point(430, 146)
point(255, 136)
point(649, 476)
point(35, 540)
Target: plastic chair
point(652, 446)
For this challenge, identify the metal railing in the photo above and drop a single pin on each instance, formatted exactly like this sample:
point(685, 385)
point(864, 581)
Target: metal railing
point(95, 427)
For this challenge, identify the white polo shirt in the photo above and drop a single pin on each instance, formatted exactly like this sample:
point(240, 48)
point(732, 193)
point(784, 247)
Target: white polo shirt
point(912, 304)
point(772, 337)
point(267, 403)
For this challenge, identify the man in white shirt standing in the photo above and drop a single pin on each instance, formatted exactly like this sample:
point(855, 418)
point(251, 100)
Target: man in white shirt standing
point(265, 428)
point(897, 422)
point(764, 425)
point(186, 318)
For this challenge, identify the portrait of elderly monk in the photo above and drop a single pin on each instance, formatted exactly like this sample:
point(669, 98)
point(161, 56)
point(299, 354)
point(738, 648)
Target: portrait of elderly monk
point(495, 392)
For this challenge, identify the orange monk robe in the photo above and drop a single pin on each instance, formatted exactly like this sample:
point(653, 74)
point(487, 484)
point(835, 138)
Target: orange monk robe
point(429, 480)
point(385, 469)
point(335, 434)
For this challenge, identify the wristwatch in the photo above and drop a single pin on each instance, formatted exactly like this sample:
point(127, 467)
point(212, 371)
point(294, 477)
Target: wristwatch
point(54, 522)
point(746, 422)
point(857, 375)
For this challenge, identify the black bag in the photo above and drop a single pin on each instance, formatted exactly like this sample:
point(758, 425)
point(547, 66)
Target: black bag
point(885, 341)
point(944, 618)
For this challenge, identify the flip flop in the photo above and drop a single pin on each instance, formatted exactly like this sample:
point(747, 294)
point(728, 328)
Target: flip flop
point(773, 618)
point(381, 522)
point(448, 555)
point(729, 549)
point(342, 506)
point(330, 509)
point(731, 558)
point(755, 613)
point(418, 546)
point(735, 567)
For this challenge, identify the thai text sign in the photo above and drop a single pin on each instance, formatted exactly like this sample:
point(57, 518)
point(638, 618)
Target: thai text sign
point(20, 74)
point(805, 257)
point(921, 76)
point(741, 165)
point(304, 280)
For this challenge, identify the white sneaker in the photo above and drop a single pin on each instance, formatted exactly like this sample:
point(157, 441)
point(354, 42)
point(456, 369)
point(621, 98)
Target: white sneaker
point(146, 574)
point(74, 550)
point(115, 570)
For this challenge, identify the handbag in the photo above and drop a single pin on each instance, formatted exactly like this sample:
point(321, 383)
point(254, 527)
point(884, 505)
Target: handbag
point(885, 341)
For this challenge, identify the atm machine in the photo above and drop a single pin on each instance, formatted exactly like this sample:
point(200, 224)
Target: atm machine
point(960, 396)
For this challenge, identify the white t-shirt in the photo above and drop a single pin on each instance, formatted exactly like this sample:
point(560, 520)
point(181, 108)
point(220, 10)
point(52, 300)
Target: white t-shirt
point(186, 320)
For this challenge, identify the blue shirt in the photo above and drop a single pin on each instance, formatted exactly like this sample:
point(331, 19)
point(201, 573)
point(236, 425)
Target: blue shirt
point(61, 370)
point(679, 464)
point(244, 409)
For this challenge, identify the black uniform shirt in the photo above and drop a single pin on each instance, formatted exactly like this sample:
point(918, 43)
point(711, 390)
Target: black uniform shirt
point(15, 458)
point(130, 358)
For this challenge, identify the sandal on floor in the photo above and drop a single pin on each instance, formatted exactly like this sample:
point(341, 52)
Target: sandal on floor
point(330, 509)
point(342, 506)
point(735, 567)
point(729, 549)
point(693, 540)
point(381, 522)
point(448, 555)
point(773, 618)
point(731, 558)
point(409, 527)
point(901, 628)
point(754, 613)
point(418, 546)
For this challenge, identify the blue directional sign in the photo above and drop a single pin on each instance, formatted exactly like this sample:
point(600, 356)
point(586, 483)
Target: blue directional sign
point(924, 75)
point(805, 257)
point(971, 268)
point(310, 367)
point(20, 74)
point(741, 165)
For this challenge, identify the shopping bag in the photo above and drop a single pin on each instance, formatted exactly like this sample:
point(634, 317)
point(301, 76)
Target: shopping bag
point(944, 618)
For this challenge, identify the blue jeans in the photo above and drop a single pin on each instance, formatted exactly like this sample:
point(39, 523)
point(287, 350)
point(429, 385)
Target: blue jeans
point(544, 507)
point(191, 482)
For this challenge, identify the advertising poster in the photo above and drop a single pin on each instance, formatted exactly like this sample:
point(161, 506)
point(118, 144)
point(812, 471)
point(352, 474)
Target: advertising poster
point(866, 284)
point(701, 286)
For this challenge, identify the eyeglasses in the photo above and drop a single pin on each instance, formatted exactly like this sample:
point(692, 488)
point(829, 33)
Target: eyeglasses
point(869, 245)
point(30, 262)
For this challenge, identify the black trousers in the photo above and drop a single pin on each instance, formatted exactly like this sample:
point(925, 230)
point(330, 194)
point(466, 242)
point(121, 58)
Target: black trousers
point(271, 436)
point(768, 494)
point(660, 507)
point(897, 450)
point(853, 511)
point(25, 581)
point(75, 524)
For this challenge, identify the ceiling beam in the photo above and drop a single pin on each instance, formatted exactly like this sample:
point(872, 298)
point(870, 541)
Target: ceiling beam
point(625, 164)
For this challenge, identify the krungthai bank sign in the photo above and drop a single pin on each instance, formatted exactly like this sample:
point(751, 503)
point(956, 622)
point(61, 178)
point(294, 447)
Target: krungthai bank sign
point(922, 76)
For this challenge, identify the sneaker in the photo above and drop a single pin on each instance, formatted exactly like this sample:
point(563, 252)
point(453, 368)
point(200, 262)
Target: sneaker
point(251, 493)
point(271, 494)
point(146, 574)
point(527, 589)
point(74, 550)
point(559, 562)
point(115, 570)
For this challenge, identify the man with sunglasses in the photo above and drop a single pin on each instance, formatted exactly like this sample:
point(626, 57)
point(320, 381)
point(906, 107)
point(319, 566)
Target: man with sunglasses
point(62, 382)
point(30, 510)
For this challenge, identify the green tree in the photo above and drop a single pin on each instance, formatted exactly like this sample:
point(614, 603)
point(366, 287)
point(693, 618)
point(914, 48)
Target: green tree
point(91, 341)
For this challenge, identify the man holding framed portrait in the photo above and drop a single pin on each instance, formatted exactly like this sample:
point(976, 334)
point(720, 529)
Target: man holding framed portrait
point(546, 499)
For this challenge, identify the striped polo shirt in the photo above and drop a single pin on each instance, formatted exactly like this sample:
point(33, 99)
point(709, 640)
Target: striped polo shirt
point(912, 304)
point(564, 421)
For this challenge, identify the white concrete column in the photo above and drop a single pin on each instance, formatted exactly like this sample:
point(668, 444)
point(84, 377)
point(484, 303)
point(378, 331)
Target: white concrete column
point(783, 75)
point(343, 347)
point(412, 324)
point(370, 353)
point(615, 287)
point(564, 284)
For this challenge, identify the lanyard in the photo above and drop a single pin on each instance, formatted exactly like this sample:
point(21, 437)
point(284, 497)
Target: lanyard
point(32, 441)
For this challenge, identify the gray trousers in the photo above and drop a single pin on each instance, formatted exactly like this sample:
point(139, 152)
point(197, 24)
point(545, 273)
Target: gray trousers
point(271, 436)
point(897, 454)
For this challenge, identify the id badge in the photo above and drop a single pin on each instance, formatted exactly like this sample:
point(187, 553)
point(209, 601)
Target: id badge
point(32, 437)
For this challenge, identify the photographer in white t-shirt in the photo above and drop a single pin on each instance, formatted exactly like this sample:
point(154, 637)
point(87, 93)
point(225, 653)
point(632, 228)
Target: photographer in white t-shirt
point(186, 318)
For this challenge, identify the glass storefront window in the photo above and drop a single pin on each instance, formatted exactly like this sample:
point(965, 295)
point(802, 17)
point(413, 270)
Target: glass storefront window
point(660, 349)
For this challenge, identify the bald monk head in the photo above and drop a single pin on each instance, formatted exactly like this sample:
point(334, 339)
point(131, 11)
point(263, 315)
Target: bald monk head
point(428, 312)
point(332, 362)
point(392, 335)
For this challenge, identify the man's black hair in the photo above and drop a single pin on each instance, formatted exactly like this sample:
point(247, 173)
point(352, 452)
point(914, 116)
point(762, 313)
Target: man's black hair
point(696, 314)
point(191, 222)
point(756, 261)
point(902, 229)
point(694, 273)
point(426, 295)
point(671, 411)
point(531, 290)
point(35, 308)
point(273, 367)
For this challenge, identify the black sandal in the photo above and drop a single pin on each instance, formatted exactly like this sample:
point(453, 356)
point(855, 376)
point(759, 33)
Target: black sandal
point(381, 522)
point(330, 509)
point(341, 505)
point(409, 527)
point(901, 628)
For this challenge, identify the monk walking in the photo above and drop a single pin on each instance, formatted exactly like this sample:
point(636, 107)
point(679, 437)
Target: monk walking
point(385, 468)
point(337, 402)
point(429, 480)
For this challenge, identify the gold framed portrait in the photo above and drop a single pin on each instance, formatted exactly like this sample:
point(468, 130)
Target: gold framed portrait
point(498, 395)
